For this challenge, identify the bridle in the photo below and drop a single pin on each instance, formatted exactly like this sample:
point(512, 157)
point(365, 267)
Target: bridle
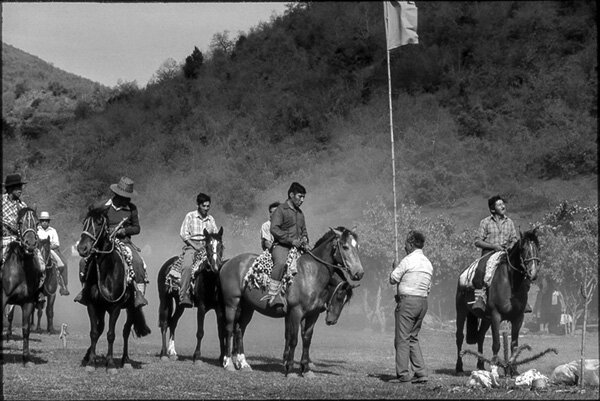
point(29, 221)
point(216, 251)
point(342, 267)
point(94, 232)
point(523, 262)
point(337, 287)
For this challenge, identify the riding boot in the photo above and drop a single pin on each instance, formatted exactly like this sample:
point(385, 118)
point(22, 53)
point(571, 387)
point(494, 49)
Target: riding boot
point(64, 290)
point(527, 308)
point(82, 296)
point(274, 294)
point(139, 299)
point(184, 292)
point(479, 300)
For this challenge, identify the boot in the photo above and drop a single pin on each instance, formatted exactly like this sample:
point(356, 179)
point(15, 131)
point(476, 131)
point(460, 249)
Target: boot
point(479, 304)
point(82, 297)
point(139, 299)
point(527, 308)
point(274, 295)
point(64, 291)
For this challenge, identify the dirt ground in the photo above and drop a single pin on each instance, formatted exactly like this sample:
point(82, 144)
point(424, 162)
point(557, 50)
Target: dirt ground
point(348, 364)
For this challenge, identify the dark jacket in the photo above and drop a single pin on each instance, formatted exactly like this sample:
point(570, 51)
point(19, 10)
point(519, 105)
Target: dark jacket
point(287, 225)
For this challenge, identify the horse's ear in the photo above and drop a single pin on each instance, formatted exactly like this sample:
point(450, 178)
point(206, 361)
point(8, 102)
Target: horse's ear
point(205, 233)
point(336, 232)
point(354, 228)
point(220, 231)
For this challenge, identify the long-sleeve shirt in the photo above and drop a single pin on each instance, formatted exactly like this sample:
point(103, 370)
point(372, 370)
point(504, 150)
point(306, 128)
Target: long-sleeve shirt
point(193, 225)
point(10, 211)
point(497, 231)
point(117, 213)
point(413, 275)
point(287, 224)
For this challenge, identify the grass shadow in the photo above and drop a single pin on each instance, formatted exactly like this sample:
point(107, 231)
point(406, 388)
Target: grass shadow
point(450, 372)
point(18, 359)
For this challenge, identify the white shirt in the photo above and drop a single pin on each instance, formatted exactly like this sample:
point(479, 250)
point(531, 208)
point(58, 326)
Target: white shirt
point(49, 233)
point(265, 231)
point(413, 275)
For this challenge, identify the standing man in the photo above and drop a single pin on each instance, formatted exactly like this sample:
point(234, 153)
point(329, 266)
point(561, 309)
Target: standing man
point(192, 234)
point(266, 238)
point(412, 278)
point(496, 233)
point(289, 230)
point(45, 231)
point(123, 217)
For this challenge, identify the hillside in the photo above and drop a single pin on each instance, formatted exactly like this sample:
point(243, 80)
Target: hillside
point(35, 93)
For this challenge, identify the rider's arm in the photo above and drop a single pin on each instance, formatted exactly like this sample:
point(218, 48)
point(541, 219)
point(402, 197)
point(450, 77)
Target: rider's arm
point(54, 242)
point(133, 228)
point(279, 234)
point(482, 234)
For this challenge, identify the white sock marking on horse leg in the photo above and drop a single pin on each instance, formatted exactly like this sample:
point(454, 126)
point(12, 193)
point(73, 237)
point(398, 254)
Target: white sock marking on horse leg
point(171, 349)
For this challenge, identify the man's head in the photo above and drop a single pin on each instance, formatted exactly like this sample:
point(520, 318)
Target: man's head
point(14, 185)
point(272, 207)
point(296, 194)
point(497, 205)
point(414, 240)
point(203, 202)
point(44, 220)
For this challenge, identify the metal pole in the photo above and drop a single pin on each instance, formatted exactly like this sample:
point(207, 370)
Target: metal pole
point(391, 135)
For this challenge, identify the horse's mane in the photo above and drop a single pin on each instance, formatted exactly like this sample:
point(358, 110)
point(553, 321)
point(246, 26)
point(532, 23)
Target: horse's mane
point(23, 211)
point(95, 211)
point(330, 234)
point(531, 235)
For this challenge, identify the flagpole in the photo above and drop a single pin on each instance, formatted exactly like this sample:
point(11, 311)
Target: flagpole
point(391, 136)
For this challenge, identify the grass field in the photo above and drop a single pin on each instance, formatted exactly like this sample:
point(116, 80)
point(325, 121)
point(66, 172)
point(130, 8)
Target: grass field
point(348, 364)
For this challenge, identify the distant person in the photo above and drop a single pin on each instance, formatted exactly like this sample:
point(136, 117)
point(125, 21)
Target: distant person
point(45, 231)
point(288, 228)
point(123, 217)
point(266, 238)
point(412, 278)
point(496, 233)
point(192, 234)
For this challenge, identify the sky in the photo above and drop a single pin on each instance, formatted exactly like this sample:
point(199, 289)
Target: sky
point(108, 42)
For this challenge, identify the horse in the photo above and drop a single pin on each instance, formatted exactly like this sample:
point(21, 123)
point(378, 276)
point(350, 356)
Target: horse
point(307, 296)
point(49, 290)
point(21, 274)
point(206, 296)
point(507, 299)
point(108, 291)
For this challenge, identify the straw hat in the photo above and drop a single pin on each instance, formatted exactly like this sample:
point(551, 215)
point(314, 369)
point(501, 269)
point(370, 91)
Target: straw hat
point(44, 216)
point(124, 188)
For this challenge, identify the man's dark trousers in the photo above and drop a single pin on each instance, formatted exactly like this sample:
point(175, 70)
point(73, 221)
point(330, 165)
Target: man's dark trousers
point(409, 314)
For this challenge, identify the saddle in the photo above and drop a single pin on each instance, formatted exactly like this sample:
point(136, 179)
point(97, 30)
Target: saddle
point(259, 274)
point(173, 277)
point(491, 261)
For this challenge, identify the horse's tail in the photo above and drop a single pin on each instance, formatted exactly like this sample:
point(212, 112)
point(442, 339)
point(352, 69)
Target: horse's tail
point(140, 328)
point(472, 328)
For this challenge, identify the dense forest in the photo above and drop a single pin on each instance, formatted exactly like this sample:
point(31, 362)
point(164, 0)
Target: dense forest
point(496, 98)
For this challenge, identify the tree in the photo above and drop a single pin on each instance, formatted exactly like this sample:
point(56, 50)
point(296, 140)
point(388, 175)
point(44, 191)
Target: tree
point(193, 63)
point(168, 70)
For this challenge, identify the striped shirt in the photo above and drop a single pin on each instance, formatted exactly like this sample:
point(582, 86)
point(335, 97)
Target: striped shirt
point(413, 275)
point(193, 226)
point(497, 231)
point(10, 211)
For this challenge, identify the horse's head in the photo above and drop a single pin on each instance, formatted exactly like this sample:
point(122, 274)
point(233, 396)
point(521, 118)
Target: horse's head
point(214, 249)
point(529, 253)
point(346, 252)
point(27, 226)
point(94, 231)
point(44, 247)
point(340, 297)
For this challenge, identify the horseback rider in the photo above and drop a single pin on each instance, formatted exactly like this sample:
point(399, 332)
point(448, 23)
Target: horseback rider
point(192, 234)
point(289, 231)
point(45, 231)
point(266, 238)
point(496, 233)
point(11, 204)
point(123, 217)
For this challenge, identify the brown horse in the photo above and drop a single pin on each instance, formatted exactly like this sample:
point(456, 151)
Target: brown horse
point(22, 273)
point(507, 298)
point(49, 289)
point(108, 291)
point(307, 296)
point(206, 296)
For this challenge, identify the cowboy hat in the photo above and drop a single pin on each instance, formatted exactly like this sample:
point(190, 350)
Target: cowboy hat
point(12, 180)
point(124, 188)
point(44, 216)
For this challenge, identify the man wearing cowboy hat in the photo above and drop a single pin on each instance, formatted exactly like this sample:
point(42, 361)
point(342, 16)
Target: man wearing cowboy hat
point(11, 204)
point(45, 231)
point(123, 217)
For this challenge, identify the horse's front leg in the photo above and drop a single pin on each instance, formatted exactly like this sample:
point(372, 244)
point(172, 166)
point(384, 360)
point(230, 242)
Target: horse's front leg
point(110, 337)
point(125, 361)
point(40, 312)
point(173, 320)
point(165, 309)
point(495, 322)
point(308, 325)
point(10, 315)
point(220, 315)
point(292, 324)
point(243, 319)
point(200, 315)
point(50, 314)
point(27, 310)
point(461, 316)
point(230, 314)
point(514, 342)
point(484, 325)
point(96, 317)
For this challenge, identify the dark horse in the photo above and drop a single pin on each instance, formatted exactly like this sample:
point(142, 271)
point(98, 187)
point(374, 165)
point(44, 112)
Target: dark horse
point(307, 296)
point(206, 296)
point(507, 298)
point(106, 282)
point(21, 273)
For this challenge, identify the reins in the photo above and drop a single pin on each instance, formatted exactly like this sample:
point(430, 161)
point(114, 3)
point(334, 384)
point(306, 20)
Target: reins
point(343, 268)
point(337, 287)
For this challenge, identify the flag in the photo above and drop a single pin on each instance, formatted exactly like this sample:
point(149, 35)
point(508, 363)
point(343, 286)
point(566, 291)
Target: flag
point(401, 23)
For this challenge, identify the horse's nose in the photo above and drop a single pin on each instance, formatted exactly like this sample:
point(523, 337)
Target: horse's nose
point(330, 322)
point(358, 275)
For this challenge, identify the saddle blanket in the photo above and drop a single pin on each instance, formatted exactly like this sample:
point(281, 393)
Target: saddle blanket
point(127, 257)
point(259, 274)
point(466, 277)
point(173, 279)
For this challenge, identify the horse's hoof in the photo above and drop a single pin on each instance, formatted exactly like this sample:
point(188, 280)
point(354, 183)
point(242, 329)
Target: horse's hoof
point(164, 358)
point(112, 371)
point(292, 376)
point(198, 363)
point(29, 364)
point(127, 366)
point(309, 375)
point(229, 367)
point(246, 368)
point(90, 369)
point(173, 357)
